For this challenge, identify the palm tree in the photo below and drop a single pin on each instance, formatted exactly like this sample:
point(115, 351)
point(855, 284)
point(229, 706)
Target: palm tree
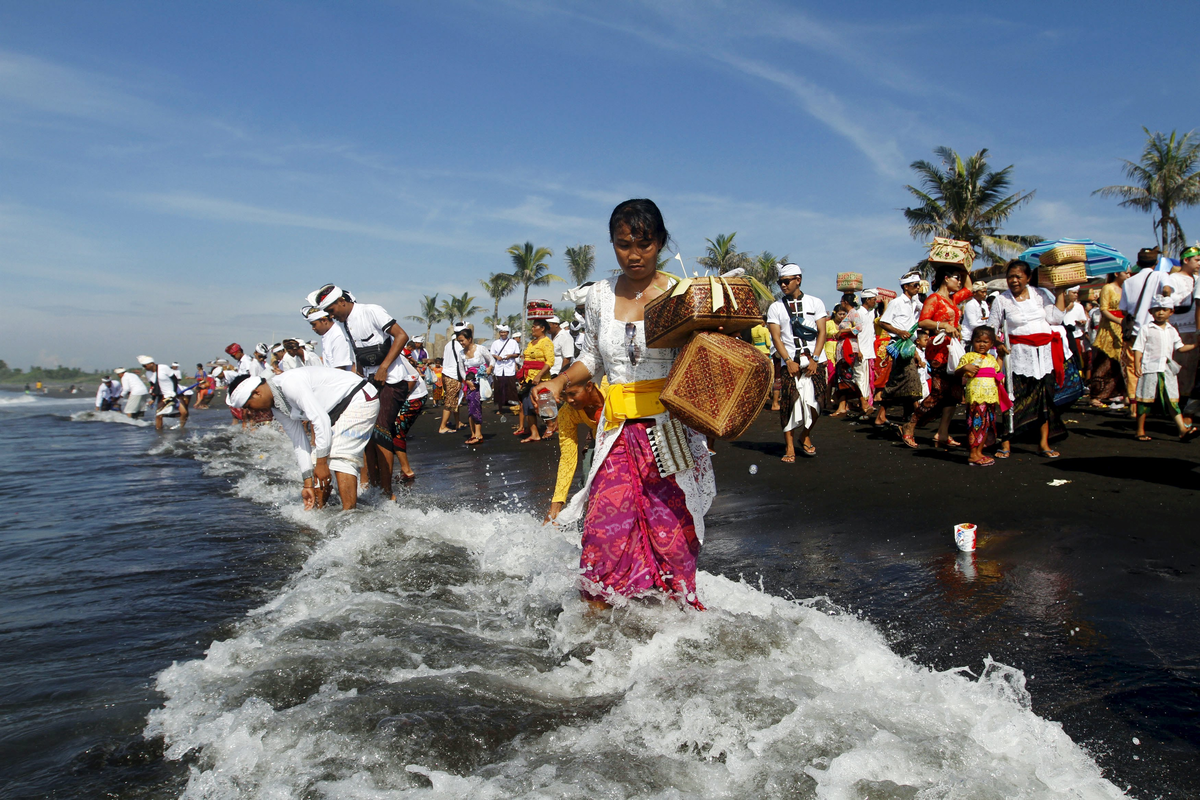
point(460, 309)
point(530, 269)
point(1167, 178)
point(722, 255)
point(429, 316)
point(966, 200)
point(766, 268)
point(498, 286)
point(581, 260)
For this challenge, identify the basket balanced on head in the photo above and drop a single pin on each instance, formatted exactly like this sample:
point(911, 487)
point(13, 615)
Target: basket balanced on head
point(718, 383)
point(1064, 265)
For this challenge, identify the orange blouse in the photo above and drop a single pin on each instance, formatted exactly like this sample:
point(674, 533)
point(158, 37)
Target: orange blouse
point(939, 309)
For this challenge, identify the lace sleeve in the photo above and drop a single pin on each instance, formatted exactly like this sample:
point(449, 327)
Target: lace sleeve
point(589, 356)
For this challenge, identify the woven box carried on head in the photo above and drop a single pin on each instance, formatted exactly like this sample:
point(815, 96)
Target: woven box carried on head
point(539, 309)
point(849, 281)
point(889, 294)
point(1057, 275)
point(717, 385)
point(951, 251)
point(700, 304)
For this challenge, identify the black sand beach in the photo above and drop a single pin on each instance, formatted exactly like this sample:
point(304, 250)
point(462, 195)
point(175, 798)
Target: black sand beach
point(1089, 587)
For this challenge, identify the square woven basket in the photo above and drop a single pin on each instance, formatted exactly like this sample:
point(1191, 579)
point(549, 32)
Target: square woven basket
point(849, 281)
point(717, 385)
point(1063, 254)
point(1065, 274)
point(671, 319)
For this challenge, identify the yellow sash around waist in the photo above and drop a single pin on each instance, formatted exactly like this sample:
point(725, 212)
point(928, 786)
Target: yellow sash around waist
point(634, 400)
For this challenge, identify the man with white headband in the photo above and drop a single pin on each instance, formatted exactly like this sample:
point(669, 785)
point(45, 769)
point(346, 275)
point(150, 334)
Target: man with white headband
point(506, 352)
point(863, 318)
point(564, 346)
point(260, 367)
point(454, 372)
point(341, 407)
point(903, 379)
point(108, 393)
point(335, 347)
point(294, 355)
point(164, 388)
point(135, 393)
point(975, 312)
point(797, 326)
point(377, 341)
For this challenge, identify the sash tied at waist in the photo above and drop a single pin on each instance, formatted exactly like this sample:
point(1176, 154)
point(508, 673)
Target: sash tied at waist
point(1001, 389)
point(634, 400)
point(1056, 351)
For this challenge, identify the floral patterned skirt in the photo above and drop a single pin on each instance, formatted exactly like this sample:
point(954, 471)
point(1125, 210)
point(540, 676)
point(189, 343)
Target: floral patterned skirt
point(981, 425)
point(638, 536)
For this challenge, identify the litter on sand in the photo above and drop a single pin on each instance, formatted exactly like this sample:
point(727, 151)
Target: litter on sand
point(1058, 482)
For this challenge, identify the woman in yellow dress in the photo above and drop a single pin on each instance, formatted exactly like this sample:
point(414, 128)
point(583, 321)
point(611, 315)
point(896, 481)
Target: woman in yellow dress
point(539, 357)
point(1107, 374)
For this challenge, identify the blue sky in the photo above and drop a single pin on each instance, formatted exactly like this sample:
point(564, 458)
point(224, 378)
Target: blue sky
point(175, 176)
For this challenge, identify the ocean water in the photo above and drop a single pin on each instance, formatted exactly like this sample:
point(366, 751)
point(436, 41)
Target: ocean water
point(176, 626)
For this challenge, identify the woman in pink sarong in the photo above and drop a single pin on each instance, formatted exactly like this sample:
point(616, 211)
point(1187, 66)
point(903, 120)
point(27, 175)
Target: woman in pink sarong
point(642, 529)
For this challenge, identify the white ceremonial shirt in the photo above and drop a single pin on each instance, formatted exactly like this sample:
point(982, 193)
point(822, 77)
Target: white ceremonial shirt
point(1075, 315)
point(246, 365)
point(1035, 314)
point(505, 347)
point(131, 385)
point(811, 310)
point(367, 326)
point(975, 312)
point(310, 393)
point(452, 359)
point(165, 380)
point(1137, 292)
point(335, 348)
point(1185, 288)
point(305, 359)
point(902, 312)
point(107, 391)
point(1157, 346)
point(564, 348)
point(864, 320)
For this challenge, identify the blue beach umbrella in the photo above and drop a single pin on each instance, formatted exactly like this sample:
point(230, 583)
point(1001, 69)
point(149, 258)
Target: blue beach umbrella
point(1101, 259)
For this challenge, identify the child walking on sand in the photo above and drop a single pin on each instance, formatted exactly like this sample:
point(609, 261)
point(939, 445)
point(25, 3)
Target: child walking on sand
point(1155, 370)
point(983, 395)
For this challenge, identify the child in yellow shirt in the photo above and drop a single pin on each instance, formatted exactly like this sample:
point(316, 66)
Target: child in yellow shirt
point(983, 394)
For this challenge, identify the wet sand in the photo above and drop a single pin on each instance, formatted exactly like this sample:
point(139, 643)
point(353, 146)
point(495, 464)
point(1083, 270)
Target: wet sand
point(1089, 587)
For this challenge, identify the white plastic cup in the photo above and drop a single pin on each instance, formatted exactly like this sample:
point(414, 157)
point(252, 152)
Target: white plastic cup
point(964, 537)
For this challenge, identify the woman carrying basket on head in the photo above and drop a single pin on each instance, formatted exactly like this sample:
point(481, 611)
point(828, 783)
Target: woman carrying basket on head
point(641, 529)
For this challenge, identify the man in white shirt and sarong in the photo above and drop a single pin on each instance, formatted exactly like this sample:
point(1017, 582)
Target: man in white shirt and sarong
point(975, 312)
point(453, 374)
point(335, 347)
point(377, 340)
point(1186, 313)
point(341, 407)
point(904, 384)
point(134, 391)
point(864, 366)
point(296, 355)
point(164, 388)
point(107, 394)
point(797, 326)
point(506, 352)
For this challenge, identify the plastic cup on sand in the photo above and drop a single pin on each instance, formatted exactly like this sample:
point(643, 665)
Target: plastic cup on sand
point(964, 537)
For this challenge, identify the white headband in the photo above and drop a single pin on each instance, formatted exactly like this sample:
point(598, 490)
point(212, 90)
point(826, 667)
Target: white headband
point(334, 295)
point(262, 349)
point(238, 397)
point(869, 293)
point(789, 271)
point(502, 329)
point(907, 279)
point(120, 370)
point(312, 313)
point(145, 360)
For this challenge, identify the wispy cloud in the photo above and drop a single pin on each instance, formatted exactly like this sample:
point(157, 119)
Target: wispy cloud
point(31, 83)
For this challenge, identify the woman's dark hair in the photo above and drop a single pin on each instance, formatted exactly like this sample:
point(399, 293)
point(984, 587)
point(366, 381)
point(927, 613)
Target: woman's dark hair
point(985, 330)
point(849, 300)
point(545, 326)
point(1018, 264)
point(467, 332)
point(643, 218)
point(944, 271)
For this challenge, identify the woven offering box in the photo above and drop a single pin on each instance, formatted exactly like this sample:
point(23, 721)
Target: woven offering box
point(539, 309)
point(849, 281)
point(700, 304)
point(1064, 274)
point(717, 385)
point(886, 293)
point(951, 251)
point(1063, 254)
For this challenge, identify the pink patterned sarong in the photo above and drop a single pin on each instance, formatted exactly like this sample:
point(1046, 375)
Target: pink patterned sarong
point(638, 536)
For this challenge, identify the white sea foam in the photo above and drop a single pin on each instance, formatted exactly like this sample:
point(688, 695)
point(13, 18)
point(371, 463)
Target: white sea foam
point(108, 416)
point(431, 653)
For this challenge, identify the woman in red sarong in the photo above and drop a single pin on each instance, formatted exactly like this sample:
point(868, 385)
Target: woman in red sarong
point(642, 529)
point(941, 316)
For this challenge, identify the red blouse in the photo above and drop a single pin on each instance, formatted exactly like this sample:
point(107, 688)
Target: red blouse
point(939, 309)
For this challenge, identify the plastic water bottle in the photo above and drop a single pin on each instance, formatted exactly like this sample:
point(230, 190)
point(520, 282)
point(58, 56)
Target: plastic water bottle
point(546, 407)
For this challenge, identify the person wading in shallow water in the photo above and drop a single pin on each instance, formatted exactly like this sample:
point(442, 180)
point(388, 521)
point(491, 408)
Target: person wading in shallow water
point(582, 404)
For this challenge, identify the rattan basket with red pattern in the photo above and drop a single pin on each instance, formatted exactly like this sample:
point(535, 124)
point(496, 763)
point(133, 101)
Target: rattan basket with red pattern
point(717, 385)
point(672, 318)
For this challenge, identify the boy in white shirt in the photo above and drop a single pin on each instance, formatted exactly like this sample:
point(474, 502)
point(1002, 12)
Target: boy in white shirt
point(1156, 371)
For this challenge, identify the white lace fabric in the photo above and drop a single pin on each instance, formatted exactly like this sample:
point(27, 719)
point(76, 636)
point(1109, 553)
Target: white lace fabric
point(1035, 314)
